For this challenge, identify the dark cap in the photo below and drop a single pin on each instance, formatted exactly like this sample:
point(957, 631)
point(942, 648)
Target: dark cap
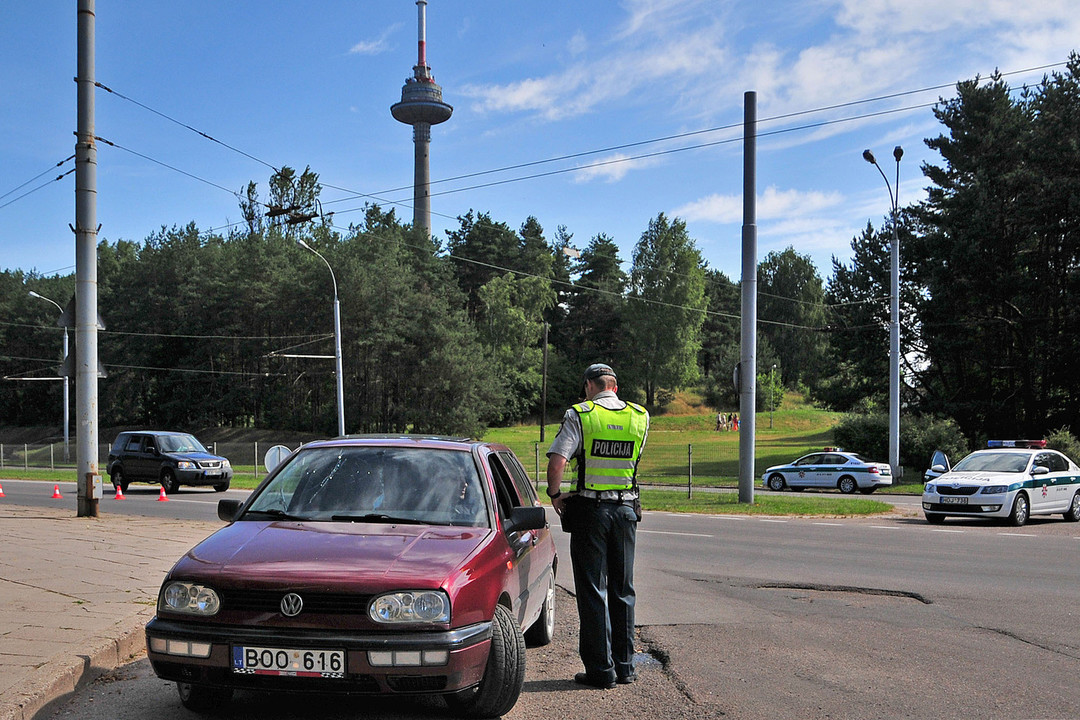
point(598, 370)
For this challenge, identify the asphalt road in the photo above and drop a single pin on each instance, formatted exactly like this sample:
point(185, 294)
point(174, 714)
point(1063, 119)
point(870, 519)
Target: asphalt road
point(753, 617)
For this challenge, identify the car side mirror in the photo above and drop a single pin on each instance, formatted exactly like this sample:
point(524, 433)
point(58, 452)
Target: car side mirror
point(939, 469)
point(1040, 470)
point(228, 509)
point(526, 518)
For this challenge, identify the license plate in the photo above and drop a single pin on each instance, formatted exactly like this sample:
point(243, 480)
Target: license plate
point(286, 662)
point(954, 501)
point(212, 473)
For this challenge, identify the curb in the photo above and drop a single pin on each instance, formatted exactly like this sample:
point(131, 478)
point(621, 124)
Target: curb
point(60, 676)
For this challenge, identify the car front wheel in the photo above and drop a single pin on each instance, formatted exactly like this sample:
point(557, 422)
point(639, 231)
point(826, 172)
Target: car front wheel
point(776, 482)
point(202, 699)
point(847, 485)
point(221, 487)
point(1073, 513)
point(504, 676)
point(118, 479)
point(934, 519)
point(1020, 511)
point(169, 482)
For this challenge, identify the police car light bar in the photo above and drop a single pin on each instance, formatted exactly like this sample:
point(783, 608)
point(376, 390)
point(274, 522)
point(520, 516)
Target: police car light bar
point(1037, 444)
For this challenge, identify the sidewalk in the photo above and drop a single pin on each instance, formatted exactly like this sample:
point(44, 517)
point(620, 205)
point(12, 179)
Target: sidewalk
point(75, 594)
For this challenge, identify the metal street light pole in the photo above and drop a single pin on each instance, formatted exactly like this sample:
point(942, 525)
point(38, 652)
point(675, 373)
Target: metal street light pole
point(894, 312)
point(337, 342)
point(67, 385)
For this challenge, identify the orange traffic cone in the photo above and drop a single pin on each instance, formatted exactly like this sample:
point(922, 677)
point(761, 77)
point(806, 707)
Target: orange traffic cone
point(119, 493)
point(56, 493)
point(2, 491)
point(162, 497)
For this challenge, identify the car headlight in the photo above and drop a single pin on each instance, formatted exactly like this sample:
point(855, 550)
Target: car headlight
point(190, 598)
point(186, 465)
point(930, 488)
point(225, 462)
point(411, 606)
point(995, 489)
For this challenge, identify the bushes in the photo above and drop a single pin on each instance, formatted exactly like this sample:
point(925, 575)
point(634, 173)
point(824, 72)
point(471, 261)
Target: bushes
point(1064, 442)
point(868, 435)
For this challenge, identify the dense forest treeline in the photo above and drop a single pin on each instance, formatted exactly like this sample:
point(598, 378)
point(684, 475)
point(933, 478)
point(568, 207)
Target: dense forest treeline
point(447, 336)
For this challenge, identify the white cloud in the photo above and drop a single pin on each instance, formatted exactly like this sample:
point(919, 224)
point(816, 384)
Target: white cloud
point(376, 46)
point(611, 169)
point(773, 204)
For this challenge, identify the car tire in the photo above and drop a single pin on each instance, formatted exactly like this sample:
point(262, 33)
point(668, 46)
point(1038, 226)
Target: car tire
point(868, 491)
point(221, 487)
point(201, 698)
point(1073, 513)
point(118, 479)
point(776, 482)
point(542, 631)
point(504, 675)
point(847, 485)
point(1021, 510)
point(169, 482)
point(934, 519)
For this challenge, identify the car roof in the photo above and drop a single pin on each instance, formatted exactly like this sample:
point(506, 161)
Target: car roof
point(404, 440)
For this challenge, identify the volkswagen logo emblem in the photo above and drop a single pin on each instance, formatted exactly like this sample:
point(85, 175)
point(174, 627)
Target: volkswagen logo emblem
point(291, 605)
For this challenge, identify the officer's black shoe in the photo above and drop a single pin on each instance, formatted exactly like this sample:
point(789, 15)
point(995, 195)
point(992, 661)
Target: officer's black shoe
point(585, 679)
point(626, 679)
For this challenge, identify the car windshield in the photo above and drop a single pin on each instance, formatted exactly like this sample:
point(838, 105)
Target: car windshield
point(377, 485)
point(993, 462)
point(179, 443)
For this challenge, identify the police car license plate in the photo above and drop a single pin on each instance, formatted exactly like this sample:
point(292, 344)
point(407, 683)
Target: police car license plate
point(287, 662)
point(954, 501)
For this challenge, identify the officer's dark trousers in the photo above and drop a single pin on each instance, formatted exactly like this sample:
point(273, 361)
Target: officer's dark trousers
point(602, 553)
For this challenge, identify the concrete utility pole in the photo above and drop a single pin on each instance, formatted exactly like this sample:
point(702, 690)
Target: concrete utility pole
point(748, 341)
point(86, 226)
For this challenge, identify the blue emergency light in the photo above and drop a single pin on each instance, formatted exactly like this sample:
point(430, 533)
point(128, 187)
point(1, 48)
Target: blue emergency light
point(1016, 444)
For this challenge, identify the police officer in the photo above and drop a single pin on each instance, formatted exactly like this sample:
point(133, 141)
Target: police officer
point(604, 436)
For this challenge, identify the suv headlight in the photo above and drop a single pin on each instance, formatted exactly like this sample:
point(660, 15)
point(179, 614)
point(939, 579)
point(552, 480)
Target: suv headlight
point(995, 489)
point(225, 463)
point(411, 606)
point(189, 598)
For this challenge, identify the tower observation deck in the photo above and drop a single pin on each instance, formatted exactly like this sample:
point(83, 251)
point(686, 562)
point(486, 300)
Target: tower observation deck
point(421, 106)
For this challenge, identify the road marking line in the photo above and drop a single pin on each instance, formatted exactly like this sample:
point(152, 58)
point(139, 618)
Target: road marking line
point(1018, 534)
point(946, 531)
point(771, 520)
point(830, 524)
point(661, 532)
point(884, 527)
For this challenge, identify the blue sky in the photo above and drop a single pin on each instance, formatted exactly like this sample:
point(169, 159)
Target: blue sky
point(311, 84)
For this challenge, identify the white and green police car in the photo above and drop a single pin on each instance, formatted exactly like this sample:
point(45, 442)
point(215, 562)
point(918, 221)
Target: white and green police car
point(830, 468)
point(1012, 479)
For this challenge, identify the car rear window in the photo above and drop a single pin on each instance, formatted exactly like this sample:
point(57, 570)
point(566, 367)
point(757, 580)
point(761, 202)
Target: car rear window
point(377, 484)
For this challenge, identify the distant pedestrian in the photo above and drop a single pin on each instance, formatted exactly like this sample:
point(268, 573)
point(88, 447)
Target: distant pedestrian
point(735, 422)
point(719, 420)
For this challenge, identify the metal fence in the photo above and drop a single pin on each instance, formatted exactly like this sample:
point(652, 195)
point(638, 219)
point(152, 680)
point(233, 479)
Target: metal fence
point(701, 465)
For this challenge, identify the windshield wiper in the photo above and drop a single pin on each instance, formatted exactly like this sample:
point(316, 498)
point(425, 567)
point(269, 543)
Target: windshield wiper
point(376, 518)
point(275, 513)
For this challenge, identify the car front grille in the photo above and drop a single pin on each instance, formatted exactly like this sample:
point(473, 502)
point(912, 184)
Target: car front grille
point(209, 464)
point(962, 490)
point(314, 602)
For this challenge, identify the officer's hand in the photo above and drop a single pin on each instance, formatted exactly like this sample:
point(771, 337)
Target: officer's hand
point(559, 503)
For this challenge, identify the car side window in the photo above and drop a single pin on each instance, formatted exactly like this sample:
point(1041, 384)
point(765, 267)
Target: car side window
point(505, 491)
point(149, 446)
point(134, 443)
point(809, 460)
point(1057, 463)
point(1042, 460)
point(522, 483)
point(834, 460)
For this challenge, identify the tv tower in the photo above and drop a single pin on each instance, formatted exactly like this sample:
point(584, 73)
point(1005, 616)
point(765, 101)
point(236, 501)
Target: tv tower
point(421, 106)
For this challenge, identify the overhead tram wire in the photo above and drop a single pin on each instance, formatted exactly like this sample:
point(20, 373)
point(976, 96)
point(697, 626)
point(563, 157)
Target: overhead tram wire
point(44, 172)
point(39, 187)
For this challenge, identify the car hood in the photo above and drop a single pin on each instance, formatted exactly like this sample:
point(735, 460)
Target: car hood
point(193, 456)
point(981, 477)
point(337, 554)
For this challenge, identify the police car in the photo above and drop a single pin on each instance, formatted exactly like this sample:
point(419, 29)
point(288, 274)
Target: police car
point(830, 468)
point(1011, 479)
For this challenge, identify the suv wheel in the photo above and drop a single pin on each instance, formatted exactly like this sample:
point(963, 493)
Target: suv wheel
point(168, 481)
point(118, 479)
point(221, 487)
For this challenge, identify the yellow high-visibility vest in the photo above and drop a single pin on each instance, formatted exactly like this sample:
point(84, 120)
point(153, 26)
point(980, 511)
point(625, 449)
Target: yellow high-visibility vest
point(612, 441)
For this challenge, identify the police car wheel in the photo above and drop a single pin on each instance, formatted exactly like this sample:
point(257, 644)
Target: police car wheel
point(1020, 511)
point(776, 482)
point(1073, 513)
point(847, 485)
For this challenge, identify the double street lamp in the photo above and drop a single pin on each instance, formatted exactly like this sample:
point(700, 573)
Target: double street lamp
point(337, 342)
point(894, 312)
point(67, 385)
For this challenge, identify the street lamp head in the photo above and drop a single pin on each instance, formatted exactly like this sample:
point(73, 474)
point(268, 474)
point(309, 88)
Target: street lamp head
point(34, 294)
point(898, 152)
point(301, 243)
point(869, 157)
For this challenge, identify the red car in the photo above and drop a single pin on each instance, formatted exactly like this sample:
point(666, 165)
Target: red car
point(366, 565)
